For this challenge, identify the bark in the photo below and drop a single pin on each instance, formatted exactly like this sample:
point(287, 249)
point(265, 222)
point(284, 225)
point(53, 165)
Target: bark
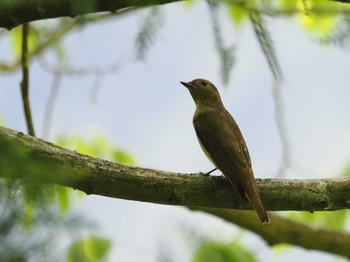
point(17, 12)
point(30, 158)
point(283, 230)
point(35, 160)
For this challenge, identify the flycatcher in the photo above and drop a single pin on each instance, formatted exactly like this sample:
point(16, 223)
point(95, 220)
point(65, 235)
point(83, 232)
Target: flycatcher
point(223, 143)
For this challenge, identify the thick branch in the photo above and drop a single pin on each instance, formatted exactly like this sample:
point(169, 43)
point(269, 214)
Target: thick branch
point(30, 158)
point(283, 230)
point(16, 12)
point(35, 160)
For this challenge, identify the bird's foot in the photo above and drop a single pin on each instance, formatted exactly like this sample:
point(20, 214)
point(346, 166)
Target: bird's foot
point(207, 173)
point(243, 203)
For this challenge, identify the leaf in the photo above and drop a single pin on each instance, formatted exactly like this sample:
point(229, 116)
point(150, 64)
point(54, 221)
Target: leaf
point(91, 249)
point(220, 252)
point(289, 4)
point(98, 146)
point(16, 35)
point(29, 208)
point(123, 157)
point(334, 219)
point(238, 13)
point(63, 197)
point(315, 22)
point(320, 24)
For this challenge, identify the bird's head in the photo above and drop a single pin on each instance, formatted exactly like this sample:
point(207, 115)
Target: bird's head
point(203, 92)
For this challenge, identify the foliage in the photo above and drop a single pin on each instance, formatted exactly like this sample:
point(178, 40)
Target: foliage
point(28, 210)
point(89, 249)
point(96, 146)
point(31, 215)
point(33, 235)
point(221, 252)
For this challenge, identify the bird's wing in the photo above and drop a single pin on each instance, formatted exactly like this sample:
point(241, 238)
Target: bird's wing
point(225, 145)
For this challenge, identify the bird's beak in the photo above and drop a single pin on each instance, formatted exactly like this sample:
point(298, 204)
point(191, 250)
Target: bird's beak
point(186, 84)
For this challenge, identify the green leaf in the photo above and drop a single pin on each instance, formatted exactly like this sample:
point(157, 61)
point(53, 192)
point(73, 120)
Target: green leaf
point(289, 3)
point(318, 23)
point(238, 13)
point(123, 157)
point(334, 219)
point(63, 197)
point(91, 249)
point(220, 252)
point(29, 208)
point(16, 35)
point(98, 146)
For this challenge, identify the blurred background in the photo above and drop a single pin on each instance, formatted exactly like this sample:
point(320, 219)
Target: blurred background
point(109, 86)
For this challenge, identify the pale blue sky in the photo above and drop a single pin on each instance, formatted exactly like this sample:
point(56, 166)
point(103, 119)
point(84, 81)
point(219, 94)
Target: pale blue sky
point(142, 108)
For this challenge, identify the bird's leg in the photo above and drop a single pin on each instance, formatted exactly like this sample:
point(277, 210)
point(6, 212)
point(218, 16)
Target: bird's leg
point(208, 173)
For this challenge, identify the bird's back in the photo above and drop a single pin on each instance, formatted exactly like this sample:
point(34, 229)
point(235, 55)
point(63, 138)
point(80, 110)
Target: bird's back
point(223, 143)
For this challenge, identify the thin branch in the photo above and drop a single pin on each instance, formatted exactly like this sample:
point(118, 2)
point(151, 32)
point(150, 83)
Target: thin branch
point(282, 129)
point(151, 23)
point(25, 80)
point(50, 104)
point(68, 70)
point(268, 49)
point(59, 72)
point(226, 54)
point(96, 87)
point(43, 162)
point(57, 34)
point(266, 44)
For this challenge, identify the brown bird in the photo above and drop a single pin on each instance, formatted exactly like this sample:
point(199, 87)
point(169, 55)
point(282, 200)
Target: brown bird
point(223, 143)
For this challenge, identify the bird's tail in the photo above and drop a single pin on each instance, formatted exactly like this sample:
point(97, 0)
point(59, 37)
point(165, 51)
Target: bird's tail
point(252, 193)
point(260, 210)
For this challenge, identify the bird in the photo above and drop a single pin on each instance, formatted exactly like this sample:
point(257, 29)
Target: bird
point(222, 142)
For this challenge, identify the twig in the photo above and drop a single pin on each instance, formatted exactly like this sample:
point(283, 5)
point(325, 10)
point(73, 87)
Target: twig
point(282, 129)
point(50, 104)
point(96, 86)
point(226, 53)
point(25, 80)
point(58, 33)
point(268, 49)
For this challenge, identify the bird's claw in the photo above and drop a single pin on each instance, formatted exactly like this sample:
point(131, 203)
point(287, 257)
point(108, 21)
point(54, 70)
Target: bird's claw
point(207, 173)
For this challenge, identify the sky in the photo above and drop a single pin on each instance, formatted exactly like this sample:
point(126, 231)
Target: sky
point(143, 109)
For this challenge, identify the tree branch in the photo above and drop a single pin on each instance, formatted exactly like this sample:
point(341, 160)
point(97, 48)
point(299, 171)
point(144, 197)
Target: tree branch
point(25, 80)
point(35, 160)
point(16, 12)
point(282, 230)
point(44, 162)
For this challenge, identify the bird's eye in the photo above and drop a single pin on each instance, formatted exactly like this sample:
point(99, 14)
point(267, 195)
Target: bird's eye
point(204, 83)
